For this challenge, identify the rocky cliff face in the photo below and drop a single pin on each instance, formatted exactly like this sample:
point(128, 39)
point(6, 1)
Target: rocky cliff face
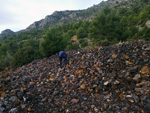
point(107, 79)
point(57, 18)
point(6, 33)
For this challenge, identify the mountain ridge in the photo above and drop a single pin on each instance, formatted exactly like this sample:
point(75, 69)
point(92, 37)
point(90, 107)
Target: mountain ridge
point(6, 33)
point(63, 17)
point(67, 16)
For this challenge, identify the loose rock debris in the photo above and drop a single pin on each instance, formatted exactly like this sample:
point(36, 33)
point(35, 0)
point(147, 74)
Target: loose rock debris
point(114, 79)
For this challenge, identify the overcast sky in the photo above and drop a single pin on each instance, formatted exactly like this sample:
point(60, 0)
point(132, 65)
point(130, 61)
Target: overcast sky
point(19, 14)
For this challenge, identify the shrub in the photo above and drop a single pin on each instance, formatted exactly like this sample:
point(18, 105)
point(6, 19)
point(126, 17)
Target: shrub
point(72, 46)
point(105, 42)
point(53, 42)
point(83, 42)
point(23, 56)
point(5, 60)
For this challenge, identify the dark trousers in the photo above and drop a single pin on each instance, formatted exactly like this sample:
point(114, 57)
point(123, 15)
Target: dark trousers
point(60, 59)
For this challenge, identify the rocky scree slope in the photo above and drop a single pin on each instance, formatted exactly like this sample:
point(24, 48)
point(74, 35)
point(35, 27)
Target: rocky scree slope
point(99, 80)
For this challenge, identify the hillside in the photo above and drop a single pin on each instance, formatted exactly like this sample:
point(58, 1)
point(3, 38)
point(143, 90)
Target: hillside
point(106, 79)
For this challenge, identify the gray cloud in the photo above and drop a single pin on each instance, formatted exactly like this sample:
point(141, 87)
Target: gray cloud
point(6, 17)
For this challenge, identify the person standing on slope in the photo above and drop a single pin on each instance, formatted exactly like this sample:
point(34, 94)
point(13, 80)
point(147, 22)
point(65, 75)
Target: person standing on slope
point(62, 55)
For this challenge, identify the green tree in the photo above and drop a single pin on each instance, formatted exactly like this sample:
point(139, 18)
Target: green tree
point(144, 15)
point(4, 48)
point(127, 34)
point(72, 45)
point(23, 56)
point(83, 42)
point(106, 28)
point(81, 33)
point(123, 12)
point(71, 33)
point(5, 60)
point(53, 42)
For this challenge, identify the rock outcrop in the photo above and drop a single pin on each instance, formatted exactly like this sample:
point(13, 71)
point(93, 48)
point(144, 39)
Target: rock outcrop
point(148, 23)
point(57, 18)
point(6, 33)
point(99, 80)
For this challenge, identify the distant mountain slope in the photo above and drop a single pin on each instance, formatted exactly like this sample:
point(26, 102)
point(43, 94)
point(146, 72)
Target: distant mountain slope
point(64, 17)
point(57, 18)
point(6, 33)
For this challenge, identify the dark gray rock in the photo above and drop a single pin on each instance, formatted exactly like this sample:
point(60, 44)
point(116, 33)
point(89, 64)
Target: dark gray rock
point(6, 33)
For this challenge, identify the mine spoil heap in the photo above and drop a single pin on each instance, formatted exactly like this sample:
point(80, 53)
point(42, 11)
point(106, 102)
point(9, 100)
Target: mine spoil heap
point(114, 79)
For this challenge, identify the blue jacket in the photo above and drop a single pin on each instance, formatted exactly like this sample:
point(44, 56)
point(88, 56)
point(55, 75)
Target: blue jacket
point(62, 54)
